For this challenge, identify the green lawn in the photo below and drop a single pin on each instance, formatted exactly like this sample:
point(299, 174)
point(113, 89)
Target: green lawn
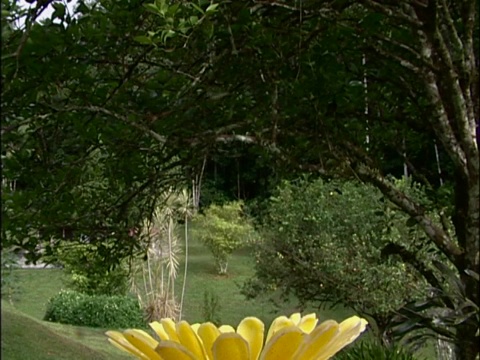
point(234, 307)
point(24, 337)
point(34, 289)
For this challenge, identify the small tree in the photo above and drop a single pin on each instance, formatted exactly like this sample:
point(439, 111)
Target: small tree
point(223, 229)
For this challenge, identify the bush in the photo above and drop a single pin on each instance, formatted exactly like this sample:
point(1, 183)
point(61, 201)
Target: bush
point(75, 308)
point(367, 350)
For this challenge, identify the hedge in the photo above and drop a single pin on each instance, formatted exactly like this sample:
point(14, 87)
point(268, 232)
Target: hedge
point(75, 308)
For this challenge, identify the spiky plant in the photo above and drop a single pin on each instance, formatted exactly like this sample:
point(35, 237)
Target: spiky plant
point(160, 270)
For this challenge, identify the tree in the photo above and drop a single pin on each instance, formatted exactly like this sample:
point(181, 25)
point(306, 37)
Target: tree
point(224, 229)
point(313, 113)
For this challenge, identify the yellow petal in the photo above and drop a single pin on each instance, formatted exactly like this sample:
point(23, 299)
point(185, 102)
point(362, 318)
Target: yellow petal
point(349, 330)
point(171, 350)
point(230, 346)
point(318, 341)
point(117, 339)
point(308, 323)
point(226, 329)
point(143, 336)
point(141, 343)
point(190, 340)
point(278, 324)
point(170, 329)
point(295, 318)
point(252, 330)
point(195, 327)
point(283, 344)
point(354, 326)
point(208, 333)
point(159, 330)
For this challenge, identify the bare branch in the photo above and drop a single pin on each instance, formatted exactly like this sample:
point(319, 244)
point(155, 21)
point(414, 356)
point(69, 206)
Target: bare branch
point(125, 119)
point(396, 14)
point(421, 58)
point(401, 61)
point(128, 74)
point(441, 124)
point(435, 233)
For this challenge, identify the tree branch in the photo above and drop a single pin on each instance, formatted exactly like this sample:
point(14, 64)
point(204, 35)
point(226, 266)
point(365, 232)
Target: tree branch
point(399, 198)
point(410, 257)
point(124, 119)
point(396, 14)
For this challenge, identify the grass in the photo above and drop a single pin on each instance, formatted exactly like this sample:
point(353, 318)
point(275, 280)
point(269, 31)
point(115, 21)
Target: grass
point(35, 287)
point(202, 277)
point(24, 337)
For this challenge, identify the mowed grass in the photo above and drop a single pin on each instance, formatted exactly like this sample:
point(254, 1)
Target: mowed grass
point(24, 337)
point(202, 277)
point(35, 287)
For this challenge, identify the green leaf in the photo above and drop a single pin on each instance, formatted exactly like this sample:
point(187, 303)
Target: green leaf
point(411, 222)
point(199, 9)
point(152, 8)
point(172, 10)
point(208, 29)
point(211, 8)
point(142, 39)
point(473, 274)
point(82, 8)
point(451, 277)
point(166, 34)
point(193, 20)
point(59, 11)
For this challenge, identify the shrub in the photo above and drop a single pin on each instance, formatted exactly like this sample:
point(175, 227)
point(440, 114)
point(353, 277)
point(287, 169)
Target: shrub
point(75, 308)
point(211, 307)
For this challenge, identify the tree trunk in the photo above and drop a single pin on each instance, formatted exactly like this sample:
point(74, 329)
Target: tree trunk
point(446, 350)
point(468, 345)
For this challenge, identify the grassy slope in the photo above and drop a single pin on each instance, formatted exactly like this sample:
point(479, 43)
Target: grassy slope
point(26, 338)
point(35, 287)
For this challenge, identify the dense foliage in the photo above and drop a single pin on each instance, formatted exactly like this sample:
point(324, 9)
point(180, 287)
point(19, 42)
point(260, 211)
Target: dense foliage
point(74, 308)
point(328, 241)
point(88, 273)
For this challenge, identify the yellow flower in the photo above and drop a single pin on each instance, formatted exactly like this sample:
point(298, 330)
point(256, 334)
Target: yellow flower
point(295, 338)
